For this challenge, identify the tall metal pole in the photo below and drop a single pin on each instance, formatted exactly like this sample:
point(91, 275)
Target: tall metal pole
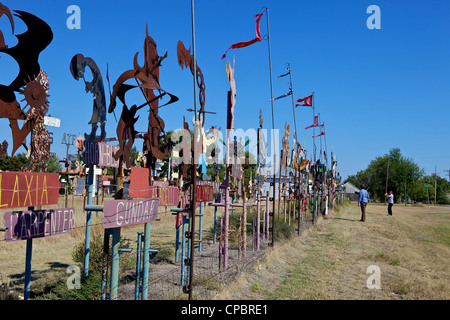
point(273, 127)
point(293, 101)
point(193, 173)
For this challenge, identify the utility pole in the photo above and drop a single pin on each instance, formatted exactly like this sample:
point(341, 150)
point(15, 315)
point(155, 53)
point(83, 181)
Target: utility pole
point(435, 184)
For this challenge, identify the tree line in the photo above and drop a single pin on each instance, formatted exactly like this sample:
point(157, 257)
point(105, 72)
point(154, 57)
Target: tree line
point(404, 177)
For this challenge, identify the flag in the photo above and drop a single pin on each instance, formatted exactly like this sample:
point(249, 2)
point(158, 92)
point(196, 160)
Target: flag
point(283, 96)
point(322, 133)
point(284, 75)
point(307, 102)
point(316, 123)
point(250, 42)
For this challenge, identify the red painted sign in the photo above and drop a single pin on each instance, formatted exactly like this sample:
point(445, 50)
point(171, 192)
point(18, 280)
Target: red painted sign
point(122, 213)
point(27, 189)
point(24, 225)
point(204, 193)
point(139, 187)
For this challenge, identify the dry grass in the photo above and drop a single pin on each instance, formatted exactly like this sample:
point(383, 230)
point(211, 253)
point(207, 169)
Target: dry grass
point(411, 248)
point(54, 254)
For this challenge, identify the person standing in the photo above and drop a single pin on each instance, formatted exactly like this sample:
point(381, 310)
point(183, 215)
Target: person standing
point(390, 199)
point(363, 199)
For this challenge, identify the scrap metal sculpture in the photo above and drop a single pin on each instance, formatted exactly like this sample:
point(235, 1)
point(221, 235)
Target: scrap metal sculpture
point(78, 65)
point(32, 83)
point(147, 79)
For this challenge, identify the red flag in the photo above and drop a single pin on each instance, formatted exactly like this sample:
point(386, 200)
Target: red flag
point(307, 102)
point(316, 123)
point(322, 133)
point(250, 42)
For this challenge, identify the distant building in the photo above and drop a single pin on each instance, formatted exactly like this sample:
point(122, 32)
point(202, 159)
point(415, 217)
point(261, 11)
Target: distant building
point(351, 191)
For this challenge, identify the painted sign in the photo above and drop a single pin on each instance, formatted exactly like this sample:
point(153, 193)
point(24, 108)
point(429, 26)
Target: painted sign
point(139, 187)
point(204, 193)
point(100, 154)
point(169, 196)
point(215, 184)
point(27, 189)
point(24, 225)
point(52, 122)
point(123, 213)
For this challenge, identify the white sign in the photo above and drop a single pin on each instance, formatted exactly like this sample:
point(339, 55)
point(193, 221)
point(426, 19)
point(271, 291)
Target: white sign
point(52, 122)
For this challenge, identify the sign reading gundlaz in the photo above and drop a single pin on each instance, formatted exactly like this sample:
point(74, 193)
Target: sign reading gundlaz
point(23, 225)
point(122, 213)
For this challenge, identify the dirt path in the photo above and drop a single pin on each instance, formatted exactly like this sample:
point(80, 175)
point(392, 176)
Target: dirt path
point(331, 261)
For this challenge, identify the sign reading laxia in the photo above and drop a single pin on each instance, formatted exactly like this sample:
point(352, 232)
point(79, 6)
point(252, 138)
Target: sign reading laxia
point(26, 189)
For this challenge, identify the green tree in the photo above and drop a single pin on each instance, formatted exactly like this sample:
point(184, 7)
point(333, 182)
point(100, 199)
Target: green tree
point(402, 171)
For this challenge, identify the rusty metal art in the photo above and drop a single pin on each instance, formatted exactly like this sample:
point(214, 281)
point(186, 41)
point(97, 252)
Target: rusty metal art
point(286, 148)
point(147, 79)
point(186, 59)
point(78, 66)
point(32, 83)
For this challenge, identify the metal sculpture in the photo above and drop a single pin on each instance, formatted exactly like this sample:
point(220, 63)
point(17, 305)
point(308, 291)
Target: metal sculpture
point(147, 79)
point(78, 65)
point(32, 83)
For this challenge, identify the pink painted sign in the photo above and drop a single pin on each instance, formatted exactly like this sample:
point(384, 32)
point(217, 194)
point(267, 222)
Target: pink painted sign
point(23, 225)
point(123, 213)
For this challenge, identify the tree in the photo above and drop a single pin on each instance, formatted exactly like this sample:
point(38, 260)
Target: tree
point(401, 170)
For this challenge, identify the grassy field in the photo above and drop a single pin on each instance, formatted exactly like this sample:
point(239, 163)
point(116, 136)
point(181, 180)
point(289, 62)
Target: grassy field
point(52, 255)
point(330, 261)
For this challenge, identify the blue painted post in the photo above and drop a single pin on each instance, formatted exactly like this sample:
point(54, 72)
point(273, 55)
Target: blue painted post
point(200, 227)
point(88, 220)
point(146, 260)
point(138, 266)
point(114, 282)
point(29, 251)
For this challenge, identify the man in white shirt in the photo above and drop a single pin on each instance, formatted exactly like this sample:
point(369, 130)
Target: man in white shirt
point(390, 199)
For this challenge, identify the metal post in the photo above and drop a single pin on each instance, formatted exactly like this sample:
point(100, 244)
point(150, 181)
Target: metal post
point(266, 219)
point(244, 225)
point(215, 224)
point(177, 244)
point(200, 225)
point(106, 235)
point(183, 250)
point(114, 282)
point(146, 260)
point(225, 227)
point(258, 226)
point(88, 221)
point(273, 123)
point(29, 252)
point(138, 266)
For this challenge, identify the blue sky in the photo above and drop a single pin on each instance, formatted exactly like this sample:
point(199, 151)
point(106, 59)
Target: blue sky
point(374, 89)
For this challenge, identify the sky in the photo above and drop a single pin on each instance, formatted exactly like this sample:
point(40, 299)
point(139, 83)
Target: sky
point(375, 89)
